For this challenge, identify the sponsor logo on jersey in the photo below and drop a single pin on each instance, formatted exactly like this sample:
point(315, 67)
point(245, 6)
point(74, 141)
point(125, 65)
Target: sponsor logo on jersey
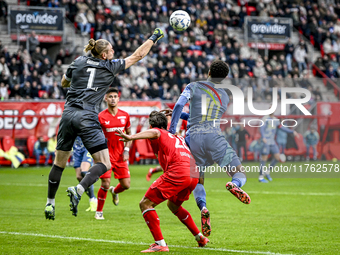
point(115, 129)
point(122, 119)
point(107, 122)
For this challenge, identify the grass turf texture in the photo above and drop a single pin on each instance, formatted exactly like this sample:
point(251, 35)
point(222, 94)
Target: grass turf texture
point(286, 216)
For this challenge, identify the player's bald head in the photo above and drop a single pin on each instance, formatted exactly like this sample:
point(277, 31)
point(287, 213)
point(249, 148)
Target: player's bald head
point(158, 120)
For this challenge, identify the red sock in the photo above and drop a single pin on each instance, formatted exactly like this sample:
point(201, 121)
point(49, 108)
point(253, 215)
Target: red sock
point(118, 189)
point(185, 217)
point(156, 170)
point(102, 192)
point(151, 219)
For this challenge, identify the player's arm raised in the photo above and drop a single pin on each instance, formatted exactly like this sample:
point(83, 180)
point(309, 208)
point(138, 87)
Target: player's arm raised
point(147, 134)
point(144, 49)
point(176, 112)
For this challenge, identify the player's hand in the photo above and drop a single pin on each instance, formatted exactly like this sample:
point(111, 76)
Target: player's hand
point(264, 140)
point(167, 112)
point(296, 134)
point(157, 34)
point(125, 137)
point(125, 155)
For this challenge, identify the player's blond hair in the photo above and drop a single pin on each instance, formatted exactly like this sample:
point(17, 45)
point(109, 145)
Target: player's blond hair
point(96, 47)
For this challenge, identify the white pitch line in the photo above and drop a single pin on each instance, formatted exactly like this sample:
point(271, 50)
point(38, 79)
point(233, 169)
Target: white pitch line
point(132, 243)
point(213, 190)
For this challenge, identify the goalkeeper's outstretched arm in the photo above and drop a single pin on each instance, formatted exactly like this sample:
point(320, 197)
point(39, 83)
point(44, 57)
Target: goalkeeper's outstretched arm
point(144, 49)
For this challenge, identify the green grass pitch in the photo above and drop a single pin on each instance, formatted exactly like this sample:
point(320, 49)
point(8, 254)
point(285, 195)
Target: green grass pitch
point(286, 216)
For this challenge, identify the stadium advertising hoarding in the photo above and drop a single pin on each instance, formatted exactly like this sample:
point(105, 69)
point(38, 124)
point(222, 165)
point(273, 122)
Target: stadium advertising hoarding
point(25, 126)
point(268, 29)
point(38, 20)
point(16, 117)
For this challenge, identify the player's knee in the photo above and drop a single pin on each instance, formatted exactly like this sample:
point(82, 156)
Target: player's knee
point(142, 205)
point(125, 185)
point(106, 183)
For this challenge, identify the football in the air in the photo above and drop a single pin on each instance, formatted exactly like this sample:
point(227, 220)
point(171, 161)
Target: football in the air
point(180, 20)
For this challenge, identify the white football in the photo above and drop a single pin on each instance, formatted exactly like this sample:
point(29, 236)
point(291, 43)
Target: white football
point(180, 20)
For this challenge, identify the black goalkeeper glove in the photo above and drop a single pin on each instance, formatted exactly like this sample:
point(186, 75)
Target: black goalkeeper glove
point(157, 34)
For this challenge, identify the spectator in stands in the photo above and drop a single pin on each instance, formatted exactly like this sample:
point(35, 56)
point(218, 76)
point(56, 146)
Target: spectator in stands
point(3, 67)
point(39, 149)
point(3, 91)
point(327, 46)
point(3, 10)
point(331, 73)
point(311, 139)
point(25, 91)
point(50, 149)
point(317, 93)
point(300, 55)
point(15, 92)
point(289, 51)
point(35, 90)
point(142, 81)
point(45, 55)
point(37, 56)
point(58, 67)
point(47, 80)
point(56, 91)
point(154, 91)
point(82, 21)
point(33, 42)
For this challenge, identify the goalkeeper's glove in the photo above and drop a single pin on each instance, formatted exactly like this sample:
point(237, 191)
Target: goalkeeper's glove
point(157, 34)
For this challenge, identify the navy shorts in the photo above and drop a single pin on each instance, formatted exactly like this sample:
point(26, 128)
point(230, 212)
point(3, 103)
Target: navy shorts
point(210, 148)
point(80, 156)
point(77, 122)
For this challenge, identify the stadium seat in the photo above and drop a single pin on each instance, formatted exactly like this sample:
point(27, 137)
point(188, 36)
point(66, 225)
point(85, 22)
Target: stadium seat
point(41, 93)
point(251, 11)
point(7, 143)
point(301, 151)
point(144, 150)
point(30, 146)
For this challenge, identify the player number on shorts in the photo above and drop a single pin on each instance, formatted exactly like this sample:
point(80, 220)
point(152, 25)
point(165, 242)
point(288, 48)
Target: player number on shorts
point(180, 143)
point(92, 72)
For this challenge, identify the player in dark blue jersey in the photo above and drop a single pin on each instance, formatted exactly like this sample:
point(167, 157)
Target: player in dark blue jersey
point(88, 79)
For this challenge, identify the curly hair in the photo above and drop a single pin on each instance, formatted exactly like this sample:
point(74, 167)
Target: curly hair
point(219, 70)
point(158, 120)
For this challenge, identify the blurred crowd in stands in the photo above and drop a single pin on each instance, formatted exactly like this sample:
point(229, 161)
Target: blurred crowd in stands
point(181, 56)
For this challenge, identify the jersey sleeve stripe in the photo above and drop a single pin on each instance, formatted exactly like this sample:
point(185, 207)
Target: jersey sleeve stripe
point(66, 78)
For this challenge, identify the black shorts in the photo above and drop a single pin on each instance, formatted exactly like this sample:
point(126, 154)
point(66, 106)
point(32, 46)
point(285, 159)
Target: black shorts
point(77, 122)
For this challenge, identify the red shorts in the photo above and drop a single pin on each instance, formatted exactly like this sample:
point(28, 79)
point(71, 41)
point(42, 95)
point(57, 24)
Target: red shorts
point(168, 188)
point(120, 170)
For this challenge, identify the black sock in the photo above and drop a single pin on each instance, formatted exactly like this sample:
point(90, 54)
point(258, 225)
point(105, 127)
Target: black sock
point(87, 191)
point(93, 175)
point(54, 180)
